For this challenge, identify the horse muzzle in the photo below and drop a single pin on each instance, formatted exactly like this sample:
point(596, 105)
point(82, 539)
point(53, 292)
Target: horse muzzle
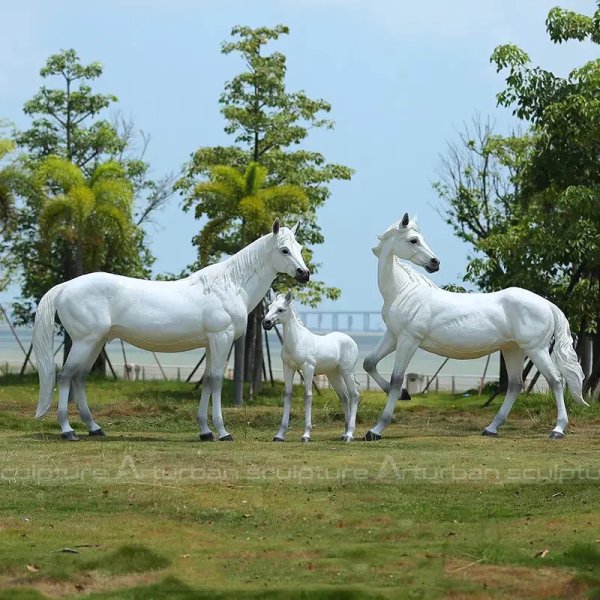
point(267, 324)
point(433, 266)
point(302, 275)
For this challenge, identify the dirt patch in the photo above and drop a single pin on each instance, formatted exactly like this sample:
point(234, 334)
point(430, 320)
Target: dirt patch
point(84, 583)
point(516, 582)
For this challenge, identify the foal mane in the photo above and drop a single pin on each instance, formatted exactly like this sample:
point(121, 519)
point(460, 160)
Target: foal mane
point(392, 229)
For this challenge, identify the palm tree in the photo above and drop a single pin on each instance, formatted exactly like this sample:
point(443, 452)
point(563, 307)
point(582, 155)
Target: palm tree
point(240, 208)
point(90, 214)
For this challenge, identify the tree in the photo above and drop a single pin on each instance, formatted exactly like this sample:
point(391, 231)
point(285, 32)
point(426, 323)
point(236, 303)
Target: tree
point(93, 215)
point(270, 126)
point(66, 124)
point(240, 208)
point(550, 241)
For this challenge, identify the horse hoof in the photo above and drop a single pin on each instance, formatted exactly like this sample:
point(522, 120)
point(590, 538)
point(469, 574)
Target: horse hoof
point(556, 435)
point(70, 436)
point(347, 438)
point(489, 433)
point(207, 437)
point(372, 436)
point(278, 439)
point(305, 439)
point(405, 395)
point(97, 433)
point(226, 438)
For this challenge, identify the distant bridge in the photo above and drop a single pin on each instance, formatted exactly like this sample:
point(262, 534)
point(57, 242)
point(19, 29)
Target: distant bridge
point(343, 320)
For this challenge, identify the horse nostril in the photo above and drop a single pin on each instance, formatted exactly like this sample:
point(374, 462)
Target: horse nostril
point(435, 261)
point(299, 271)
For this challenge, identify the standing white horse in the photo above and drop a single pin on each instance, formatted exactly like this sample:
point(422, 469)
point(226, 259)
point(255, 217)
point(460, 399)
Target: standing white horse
point(209, 309)
point(334, 354)
point(420, 315)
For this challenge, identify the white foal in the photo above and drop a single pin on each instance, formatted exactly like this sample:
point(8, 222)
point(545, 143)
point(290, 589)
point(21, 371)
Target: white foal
point(334, 354)
point(418, 314)
point(209, 309)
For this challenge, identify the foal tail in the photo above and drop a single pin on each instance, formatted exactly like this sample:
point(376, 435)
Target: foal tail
point(565, 357)
point(43, 347)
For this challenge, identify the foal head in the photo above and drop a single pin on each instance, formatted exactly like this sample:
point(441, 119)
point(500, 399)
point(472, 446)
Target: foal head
point(409, 244)
point(286, 256)
point(279, 311)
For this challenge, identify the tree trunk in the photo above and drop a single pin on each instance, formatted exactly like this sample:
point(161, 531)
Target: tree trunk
point(254, 351)
point(238, 370)
point(592, 382)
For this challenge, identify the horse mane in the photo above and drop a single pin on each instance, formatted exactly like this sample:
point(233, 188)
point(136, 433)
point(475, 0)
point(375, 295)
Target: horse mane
point(235, 270)
point(394, 228)
point(414, 276)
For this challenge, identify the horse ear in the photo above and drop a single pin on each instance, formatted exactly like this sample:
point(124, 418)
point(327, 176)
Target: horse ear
point(295, 228)
point(289, 297)
point(276, 226)
point(405, 220)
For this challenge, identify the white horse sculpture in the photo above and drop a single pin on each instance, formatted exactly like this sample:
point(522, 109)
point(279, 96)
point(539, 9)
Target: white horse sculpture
point(334, 355)
point(209, 309)
point(420, 315)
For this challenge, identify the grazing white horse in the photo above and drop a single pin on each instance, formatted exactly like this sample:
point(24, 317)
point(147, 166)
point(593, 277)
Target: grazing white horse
point(209, 309)
point(334, 354)
point(418, 314)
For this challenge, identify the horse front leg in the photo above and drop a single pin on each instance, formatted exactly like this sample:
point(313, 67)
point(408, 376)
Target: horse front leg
point(386, 346)
point(219, 345)
point(288, 377)
point(308, 370)
point(405, 349)
point(206, 435)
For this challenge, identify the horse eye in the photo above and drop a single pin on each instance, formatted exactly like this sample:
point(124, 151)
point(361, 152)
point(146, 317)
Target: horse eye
point(280, 310)
point(285, 251)
point(414, 241)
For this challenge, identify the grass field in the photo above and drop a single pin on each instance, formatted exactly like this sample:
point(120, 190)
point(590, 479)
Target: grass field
point(432, 510)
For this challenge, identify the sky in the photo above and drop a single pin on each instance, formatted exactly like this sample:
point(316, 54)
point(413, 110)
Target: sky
point(403, 78)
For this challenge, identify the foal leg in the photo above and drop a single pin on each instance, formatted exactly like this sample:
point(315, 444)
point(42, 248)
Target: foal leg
point(78, 360)
point(220, 344)
point(337, 383)
point(288, 376)
point(405, 349)
point(543, 362)
point(513, 357)
point(308, 371)
point(386, 346)
point(354, 399)
point(206, 435)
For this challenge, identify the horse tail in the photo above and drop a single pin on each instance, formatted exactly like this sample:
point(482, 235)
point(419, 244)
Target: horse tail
point(43, 348)
point(565, 357)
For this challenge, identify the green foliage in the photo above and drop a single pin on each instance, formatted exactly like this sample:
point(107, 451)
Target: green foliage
point(84, 182)
point(240, 208)
point(267, 121)
point(530, 204)
point(94, 216)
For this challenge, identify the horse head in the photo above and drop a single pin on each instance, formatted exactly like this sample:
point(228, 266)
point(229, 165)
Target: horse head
point(287, 253)
point(407, 242)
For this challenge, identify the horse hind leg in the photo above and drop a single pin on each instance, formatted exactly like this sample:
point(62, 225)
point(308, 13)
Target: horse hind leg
point(543, 362)
point(78, 389)
point(513, 357)
point(79, 357)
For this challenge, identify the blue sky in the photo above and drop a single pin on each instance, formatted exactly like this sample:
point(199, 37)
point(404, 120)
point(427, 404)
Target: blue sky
point(402, 78)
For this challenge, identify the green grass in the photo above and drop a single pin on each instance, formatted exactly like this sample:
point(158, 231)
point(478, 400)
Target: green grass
point(432, 510)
